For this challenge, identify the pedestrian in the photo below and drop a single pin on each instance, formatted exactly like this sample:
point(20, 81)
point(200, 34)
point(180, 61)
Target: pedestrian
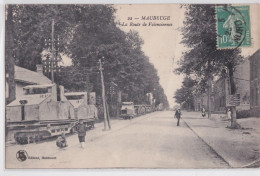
point(178, 116)
point(61, 141)
point(229, 114)
point(203, 112)
point(82, 129)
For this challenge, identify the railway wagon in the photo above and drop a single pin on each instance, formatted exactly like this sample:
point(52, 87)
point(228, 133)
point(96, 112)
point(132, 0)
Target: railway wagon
point(127, 110)
point(148, 109)
point(42, 111)
point(139, 109)
point(84, 106)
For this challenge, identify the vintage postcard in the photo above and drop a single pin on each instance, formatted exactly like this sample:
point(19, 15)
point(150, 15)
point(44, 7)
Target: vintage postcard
point(146, 86)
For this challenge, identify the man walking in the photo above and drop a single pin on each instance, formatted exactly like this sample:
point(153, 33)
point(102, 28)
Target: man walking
point(178, 116)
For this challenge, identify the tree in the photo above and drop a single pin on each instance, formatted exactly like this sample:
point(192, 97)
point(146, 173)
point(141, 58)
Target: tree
point(184, 95)
point(203, 59)
point(87, 33)
point(9, 59)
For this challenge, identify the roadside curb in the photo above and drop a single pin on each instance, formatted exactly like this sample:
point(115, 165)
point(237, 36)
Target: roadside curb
point(210, 147)
point(251, 164)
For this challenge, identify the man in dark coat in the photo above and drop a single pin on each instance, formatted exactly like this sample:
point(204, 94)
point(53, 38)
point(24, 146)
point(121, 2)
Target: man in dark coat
point(178, 116)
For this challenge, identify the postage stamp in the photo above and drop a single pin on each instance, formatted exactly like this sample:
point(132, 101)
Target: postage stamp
point(233, 27)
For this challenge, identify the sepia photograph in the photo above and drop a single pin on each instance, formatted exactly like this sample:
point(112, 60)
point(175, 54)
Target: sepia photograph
point(131, 86)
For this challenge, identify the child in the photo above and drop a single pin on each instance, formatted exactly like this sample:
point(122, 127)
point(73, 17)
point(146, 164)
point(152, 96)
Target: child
point(81, 128)
point(61, 141)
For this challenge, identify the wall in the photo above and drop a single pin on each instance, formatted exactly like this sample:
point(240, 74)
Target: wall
point(219, 96)
point(87, 111)
point(19, 88)
point(55, 110)
point(14, 113)
point(255, 81)
point(242, 76)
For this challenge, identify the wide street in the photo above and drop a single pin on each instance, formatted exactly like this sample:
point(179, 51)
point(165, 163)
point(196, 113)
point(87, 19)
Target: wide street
point(150, 141)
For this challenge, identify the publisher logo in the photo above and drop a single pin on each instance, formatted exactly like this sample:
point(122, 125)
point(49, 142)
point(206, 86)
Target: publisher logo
point(21, 155)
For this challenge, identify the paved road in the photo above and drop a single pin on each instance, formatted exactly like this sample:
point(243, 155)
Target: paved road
point(151, 141)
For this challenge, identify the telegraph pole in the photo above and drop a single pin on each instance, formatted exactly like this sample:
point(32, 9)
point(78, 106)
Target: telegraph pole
point(52, 45)
point(108, 116)
point(209, 90)
point(52, 50)
point(209, 99)
point(103, 95)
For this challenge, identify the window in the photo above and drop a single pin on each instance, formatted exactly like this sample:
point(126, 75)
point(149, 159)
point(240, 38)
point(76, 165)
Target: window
point(75, 97)
point(34, 90)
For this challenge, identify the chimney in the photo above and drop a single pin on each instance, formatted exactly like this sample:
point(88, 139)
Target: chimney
point(39, 68)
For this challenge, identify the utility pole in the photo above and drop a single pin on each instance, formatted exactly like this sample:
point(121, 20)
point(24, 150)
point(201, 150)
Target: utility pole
point(108, 116)
point(103, 97)
point(51, 63)
point(209, 90)
point(209, 95)
point(52, 51)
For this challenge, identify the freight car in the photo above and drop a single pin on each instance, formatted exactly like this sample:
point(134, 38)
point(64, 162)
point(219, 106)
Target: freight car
point(129, 110)
point(41, 112)
point(84, 106)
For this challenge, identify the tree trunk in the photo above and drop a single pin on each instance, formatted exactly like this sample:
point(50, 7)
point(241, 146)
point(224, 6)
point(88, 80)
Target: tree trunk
point(9, 59)
point(234, 123)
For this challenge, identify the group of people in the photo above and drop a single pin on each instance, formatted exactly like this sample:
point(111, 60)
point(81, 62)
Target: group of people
point(203, 113)
point(81, 128)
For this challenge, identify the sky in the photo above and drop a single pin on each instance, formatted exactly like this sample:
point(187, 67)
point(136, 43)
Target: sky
point(161, 43)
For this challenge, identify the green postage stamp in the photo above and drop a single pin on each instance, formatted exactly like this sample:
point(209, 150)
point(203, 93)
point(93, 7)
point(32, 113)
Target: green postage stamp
point(233, 27)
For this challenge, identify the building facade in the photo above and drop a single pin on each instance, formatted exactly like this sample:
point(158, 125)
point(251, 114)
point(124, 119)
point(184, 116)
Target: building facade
point(241, 77)
point(222, 87)
point(220, 96)
point(255, 82)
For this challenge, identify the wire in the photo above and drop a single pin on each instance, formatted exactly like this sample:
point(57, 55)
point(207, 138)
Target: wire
point(241, 79)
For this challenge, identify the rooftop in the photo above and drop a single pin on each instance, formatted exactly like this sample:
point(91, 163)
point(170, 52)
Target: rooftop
point(39, 86)
point(30, 77)
point(75, 93)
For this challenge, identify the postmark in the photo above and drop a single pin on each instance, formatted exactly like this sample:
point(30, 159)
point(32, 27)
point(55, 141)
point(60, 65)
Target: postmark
point(21, 155)
point(233, 27)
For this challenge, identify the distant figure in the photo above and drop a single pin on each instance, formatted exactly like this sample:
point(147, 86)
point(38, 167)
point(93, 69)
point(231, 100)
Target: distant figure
point(178, 116)
point(81, 128)
point(203, 112)
point(229, 114)
point(61, 141)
